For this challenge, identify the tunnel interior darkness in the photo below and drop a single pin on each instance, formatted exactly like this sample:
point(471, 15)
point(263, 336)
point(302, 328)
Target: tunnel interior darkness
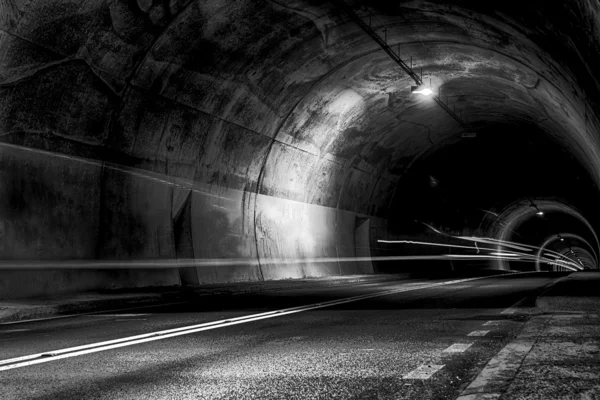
point(191, 130)
point(457, 183)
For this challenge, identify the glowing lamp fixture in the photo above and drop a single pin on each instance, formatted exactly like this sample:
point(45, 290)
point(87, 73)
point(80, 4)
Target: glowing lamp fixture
point(540, 213)
point(425, 91)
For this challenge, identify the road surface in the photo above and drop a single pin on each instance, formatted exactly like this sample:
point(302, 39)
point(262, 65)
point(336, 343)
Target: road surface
point(413, 339)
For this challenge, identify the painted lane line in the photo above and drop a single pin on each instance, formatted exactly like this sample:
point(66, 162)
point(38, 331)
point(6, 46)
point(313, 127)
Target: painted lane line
point(514, 308)
point(478, 333)
point(149, 337)
point(492, 323)
point(458, 348)
point(481, 396)
point(423, 372)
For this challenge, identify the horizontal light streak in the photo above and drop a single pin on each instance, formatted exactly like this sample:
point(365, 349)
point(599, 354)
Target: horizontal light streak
point(432, 244)
point(505, 254)
point(224, 262)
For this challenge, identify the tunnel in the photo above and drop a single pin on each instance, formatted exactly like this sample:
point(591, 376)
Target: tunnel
point(157, 143)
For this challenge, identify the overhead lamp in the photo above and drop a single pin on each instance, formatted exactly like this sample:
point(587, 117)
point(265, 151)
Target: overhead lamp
point(424, 90)
point(540, 213)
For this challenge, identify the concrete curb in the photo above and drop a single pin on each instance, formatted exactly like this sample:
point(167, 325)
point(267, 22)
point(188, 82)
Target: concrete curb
point(498, 374)
point(547, 289)
point(13, 311)
point(568, 304)
point(495, 378)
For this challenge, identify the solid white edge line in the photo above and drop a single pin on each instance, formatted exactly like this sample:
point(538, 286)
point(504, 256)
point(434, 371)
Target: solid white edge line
point(148, 337)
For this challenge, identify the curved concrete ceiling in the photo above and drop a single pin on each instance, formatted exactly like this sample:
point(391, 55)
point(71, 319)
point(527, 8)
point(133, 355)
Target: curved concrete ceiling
point(128, 78)
point(292, 99)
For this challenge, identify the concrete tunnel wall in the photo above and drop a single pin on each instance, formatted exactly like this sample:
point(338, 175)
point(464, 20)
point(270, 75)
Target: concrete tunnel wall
point(258, 129)
point(63, 207)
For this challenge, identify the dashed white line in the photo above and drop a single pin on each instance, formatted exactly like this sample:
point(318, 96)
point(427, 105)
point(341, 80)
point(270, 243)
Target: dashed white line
point(458, 348)
point(509, 311)
point(492, 323)
point(514, 308)
point(423, 372)
point(480, 396)
point(478, 333)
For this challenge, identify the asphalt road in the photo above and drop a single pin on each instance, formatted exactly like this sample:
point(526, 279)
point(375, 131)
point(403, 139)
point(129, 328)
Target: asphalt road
point(356, 350)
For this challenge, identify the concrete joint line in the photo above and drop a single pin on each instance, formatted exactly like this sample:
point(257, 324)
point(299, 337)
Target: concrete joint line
point(33, 359)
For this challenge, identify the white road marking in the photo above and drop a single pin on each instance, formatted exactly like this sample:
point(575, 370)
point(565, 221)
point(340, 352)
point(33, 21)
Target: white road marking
point(492, 323)
point(53, 355)
point(514, 308)
point(423, 372)
point(480, 396)
point(499, 371)
point(458, 348)
point(478, 333)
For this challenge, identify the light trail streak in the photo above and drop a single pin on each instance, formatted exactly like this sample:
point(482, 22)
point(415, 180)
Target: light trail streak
point(432, 244)
point(504, 254)
point(222, 262)
point(475, 240)
point(514, 245)
point(509, 244)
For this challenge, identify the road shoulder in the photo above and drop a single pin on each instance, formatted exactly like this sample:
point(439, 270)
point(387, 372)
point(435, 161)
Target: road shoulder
point(556, 356)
